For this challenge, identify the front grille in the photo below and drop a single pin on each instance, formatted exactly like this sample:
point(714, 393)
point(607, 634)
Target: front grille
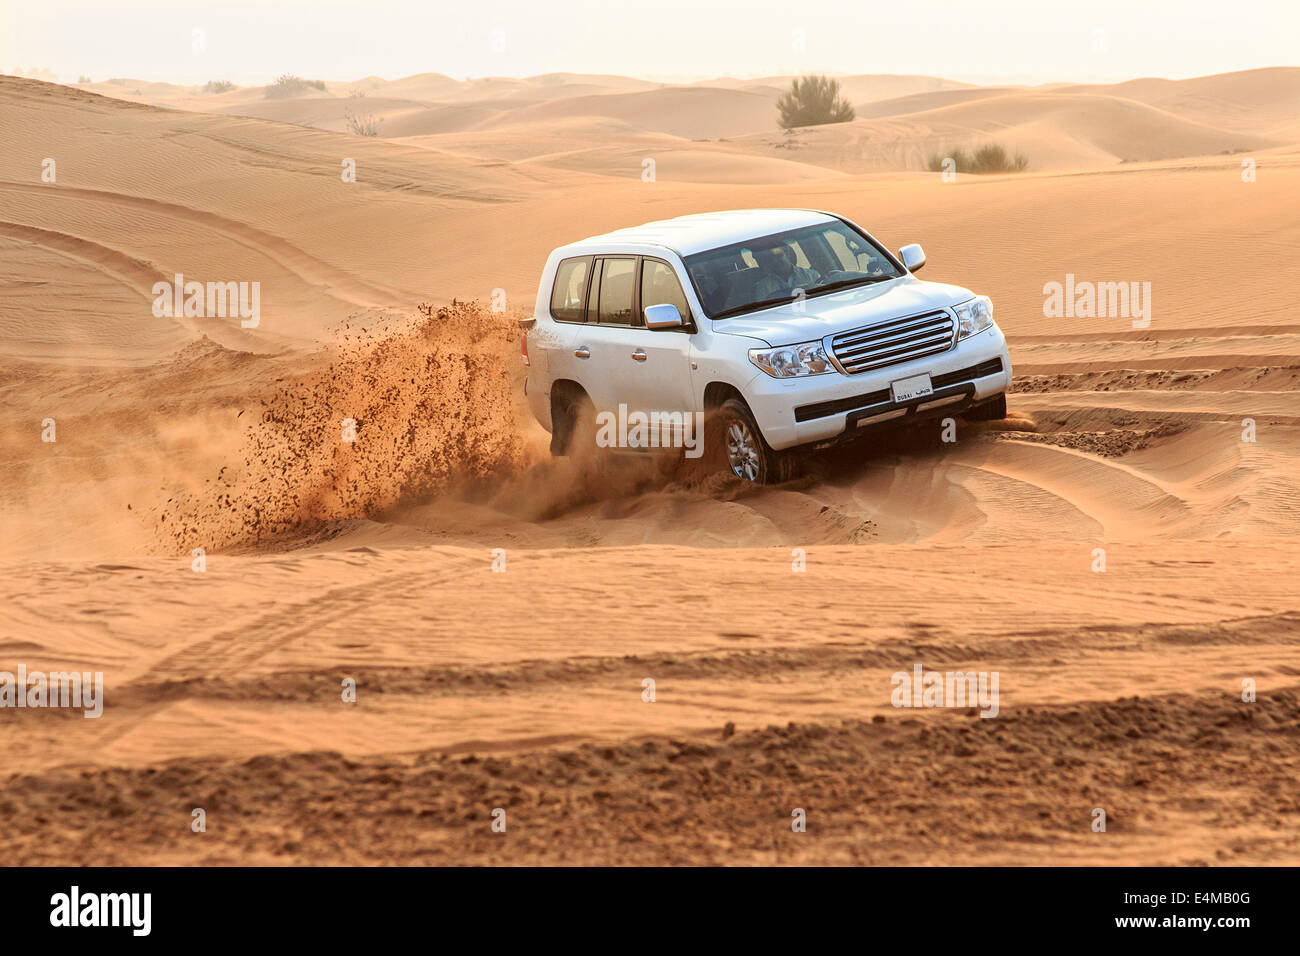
point(889, 343)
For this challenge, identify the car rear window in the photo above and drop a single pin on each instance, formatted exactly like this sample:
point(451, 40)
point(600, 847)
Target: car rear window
point(568, 298)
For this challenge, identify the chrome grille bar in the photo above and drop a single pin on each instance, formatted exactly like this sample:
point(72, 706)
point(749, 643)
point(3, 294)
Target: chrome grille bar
point(889, 343)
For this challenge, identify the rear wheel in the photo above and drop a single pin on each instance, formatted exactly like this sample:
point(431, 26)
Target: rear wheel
point(991, 411)
point(572, 415)
point(575, 432)
point(742, 449)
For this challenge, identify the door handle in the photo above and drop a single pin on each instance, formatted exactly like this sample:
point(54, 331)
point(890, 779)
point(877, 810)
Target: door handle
point(583, 352)
point(638, 356)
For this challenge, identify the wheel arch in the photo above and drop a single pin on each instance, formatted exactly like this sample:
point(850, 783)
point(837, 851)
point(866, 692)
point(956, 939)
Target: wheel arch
point(564, 393)
point(715, 393)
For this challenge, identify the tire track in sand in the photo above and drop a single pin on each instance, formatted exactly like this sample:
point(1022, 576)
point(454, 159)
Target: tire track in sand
point(336, 282)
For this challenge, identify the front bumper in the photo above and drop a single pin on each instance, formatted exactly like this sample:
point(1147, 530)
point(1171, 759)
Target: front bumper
point(823, 408)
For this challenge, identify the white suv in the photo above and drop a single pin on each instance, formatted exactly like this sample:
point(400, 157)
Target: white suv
point(794, 328)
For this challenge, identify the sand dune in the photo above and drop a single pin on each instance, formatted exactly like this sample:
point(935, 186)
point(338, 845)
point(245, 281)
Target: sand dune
point(725, 130)
point(1127, 130)
point(323, 562)
point(1249, 100)
point(688, 112)
point(1054, 130)
point(130, 218)
point(325, 112)
point(902, 120)
point(861, 88)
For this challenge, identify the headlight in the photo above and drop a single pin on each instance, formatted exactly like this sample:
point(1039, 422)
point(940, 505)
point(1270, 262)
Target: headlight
point(792, 361)
point(974, 316)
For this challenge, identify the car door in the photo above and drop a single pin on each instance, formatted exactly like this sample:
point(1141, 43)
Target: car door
point(603, 345)
point(661, 374)
point(627, 364)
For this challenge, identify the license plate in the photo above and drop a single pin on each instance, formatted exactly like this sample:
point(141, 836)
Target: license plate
point(906, 389)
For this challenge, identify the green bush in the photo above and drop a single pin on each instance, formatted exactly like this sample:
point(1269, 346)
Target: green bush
point(218, 86)
point(287, 85)
point(989, 158)
point(811, 101)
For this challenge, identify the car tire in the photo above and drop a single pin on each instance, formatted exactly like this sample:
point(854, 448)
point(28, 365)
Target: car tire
point(991, 411)
point(741, 450)
point(571, 417)
point(575, 437)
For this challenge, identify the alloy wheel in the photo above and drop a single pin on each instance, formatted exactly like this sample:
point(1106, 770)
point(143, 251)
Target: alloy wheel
point(742, 451)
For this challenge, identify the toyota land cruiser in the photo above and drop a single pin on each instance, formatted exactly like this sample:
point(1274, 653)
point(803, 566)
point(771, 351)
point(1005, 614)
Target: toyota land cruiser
point(793, 328)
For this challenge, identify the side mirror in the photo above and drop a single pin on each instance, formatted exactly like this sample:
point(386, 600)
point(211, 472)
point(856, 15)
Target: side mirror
point(660, 317)
point(913, 257)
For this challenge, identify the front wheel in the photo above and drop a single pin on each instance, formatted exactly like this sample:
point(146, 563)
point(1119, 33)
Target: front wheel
point(991, 411)
point(743, 450)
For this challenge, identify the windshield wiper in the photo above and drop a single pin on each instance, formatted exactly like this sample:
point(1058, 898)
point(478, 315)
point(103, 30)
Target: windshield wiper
point(845, 283)
point(750, 306)
point(816, 290)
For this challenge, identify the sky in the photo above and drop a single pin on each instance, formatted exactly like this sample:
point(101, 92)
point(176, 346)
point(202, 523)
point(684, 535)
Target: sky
point(253, 41)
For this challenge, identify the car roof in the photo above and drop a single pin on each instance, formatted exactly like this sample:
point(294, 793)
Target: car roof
point(687, 235)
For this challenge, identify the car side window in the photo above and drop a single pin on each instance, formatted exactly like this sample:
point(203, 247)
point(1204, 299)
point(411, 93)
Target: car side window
point(568, 298)
point(614, 298)
point(659, 286)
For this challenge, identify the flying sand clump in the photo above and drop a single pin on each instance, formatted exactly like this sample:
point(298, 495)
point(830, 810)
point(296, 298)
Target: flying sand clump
point(390, 419)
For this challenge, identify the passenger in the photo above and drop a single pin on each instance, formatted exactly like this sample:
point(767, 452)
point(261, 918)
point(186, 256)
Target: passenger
point(781, 274)
point(713, 289)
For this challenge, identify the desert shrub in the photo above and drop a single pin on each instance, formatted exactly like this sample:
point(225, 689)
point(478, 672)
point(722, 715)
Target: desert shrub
point(989, 158)
point(84, 79)
point(218, 86)
point(362, 124)
point(811, 101)
point(287, 85)
point(992, 158)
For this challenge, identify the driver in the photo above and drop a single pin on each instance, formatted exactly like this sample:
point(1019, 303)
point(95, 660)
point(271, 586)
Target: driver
point(781, 274)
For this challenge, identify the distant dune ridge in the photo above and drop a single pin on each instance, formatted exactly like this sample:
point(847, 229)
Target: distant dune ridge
point(901, 120)
point(183, 512)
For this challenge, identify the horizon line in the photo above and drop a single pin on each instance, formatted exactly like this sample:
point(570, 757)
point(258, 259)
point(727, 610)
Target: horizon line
point(1025, 80)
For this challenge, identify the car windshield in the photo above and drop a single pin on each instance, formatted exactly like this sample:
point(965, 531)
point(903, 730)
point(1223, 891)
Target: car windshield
point(772, 270)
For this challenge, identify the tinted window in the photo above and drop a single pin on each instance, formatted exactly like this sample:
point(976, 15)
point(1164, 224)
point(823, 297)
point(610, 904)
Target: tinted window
point(614, 301)
point(848, 259)
point(659, 285)
point(567, 299)
point(772, 270)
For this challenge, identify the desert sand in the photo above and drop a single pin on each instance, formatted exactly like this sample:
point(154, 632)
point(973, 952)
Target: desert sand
point(477, 689)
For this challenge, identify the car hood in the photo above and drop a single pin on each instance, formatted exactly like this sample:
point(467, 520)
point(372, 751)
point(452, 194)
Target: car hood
point(841, 311)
